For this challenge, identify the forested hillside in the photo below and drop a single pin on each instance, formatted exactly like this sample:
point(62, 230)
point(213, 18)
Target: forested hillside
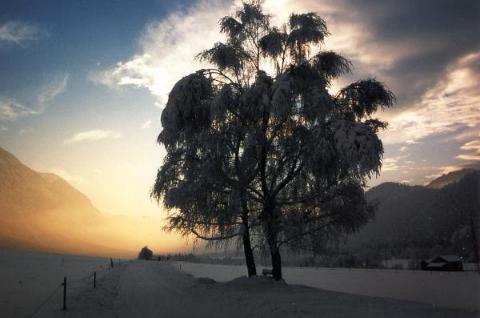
point(418, 221)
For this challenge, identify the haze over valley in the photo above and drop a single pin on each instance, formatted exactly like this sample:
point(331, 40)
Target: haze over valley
point(42, 211)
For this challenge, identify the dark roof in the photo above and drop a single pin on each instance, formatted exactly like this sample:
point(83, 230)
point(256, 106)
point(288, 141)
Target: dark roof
point(445, 259)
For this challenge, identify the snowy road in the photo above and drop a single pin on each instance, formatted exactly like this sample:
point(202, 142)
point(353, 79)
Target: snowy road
point(148, 289)
point(156, 289)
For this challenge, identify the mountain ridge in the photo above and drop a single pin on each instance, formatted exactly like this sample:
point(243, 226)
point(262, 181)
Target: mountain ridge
point(43, 211)
point(423, 220)
point(449, 178)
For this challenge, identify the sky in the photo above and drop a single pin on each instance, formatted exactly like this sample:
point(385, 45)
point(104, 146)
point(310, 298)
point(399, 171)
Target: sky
point(83, 83)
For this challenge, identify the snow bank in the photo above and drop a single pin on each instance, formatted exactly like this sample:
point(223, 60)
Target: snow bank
point(459, 290)
point(259, 283)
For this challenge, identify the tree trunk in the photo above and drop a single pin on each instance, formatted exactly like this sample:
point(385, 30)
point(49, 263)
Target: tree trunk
point(247, 249)
point(271, 229)
point(276, 262)
point(247, 245)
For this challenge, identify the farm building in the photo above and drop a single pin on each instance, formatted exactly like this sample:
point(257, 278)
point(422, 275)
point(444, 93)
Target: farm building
point(443, 263)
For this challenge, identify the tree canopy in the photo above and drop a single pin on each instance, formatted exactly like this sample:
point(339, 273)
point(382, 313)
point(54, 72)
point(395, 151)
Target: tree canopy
point(259, 148)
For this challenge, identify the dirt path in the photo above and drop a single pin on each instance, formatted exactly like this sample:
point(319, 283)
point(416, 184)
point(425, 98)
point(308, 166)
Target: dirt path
point(155, 289)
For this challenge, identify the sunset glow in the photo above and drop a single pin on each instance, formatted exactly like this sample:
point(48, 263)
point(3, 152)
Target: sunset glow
point(82, 87)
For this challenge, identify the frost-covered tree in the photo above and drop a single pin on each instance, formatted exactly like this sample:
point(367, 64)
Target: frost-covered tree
point(257, 143)
point(207, 170)
point(210, 163)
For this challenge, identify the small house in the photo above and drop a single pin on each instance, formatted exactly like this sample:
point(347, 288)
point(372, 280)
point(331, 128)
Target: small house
point(443, 263)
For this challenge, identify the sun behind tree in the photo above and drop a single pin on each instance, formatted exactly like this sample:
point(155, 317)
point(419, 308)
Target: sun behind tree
point(270, 157)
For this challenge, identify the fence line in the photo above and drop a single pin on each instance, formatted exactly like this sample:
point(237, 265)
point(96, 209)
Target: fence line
point(39, 307)
point(75, 284)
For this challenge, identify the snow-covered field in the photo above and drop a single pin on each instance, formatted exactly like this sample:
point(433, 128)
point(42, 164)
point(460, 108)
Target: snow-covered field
point(443, 289)
point(29, 278)
point(159, 289)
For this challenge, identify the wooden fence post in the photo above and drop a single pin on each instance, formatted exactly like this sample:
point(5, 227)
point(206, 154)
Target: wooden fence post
point(94, 279)
point(64, 293)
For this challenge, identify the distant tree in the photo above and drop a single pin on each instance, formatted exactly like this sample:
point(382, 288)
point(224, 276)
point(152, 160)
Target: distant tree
point(145, 253)
point(273, 153)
